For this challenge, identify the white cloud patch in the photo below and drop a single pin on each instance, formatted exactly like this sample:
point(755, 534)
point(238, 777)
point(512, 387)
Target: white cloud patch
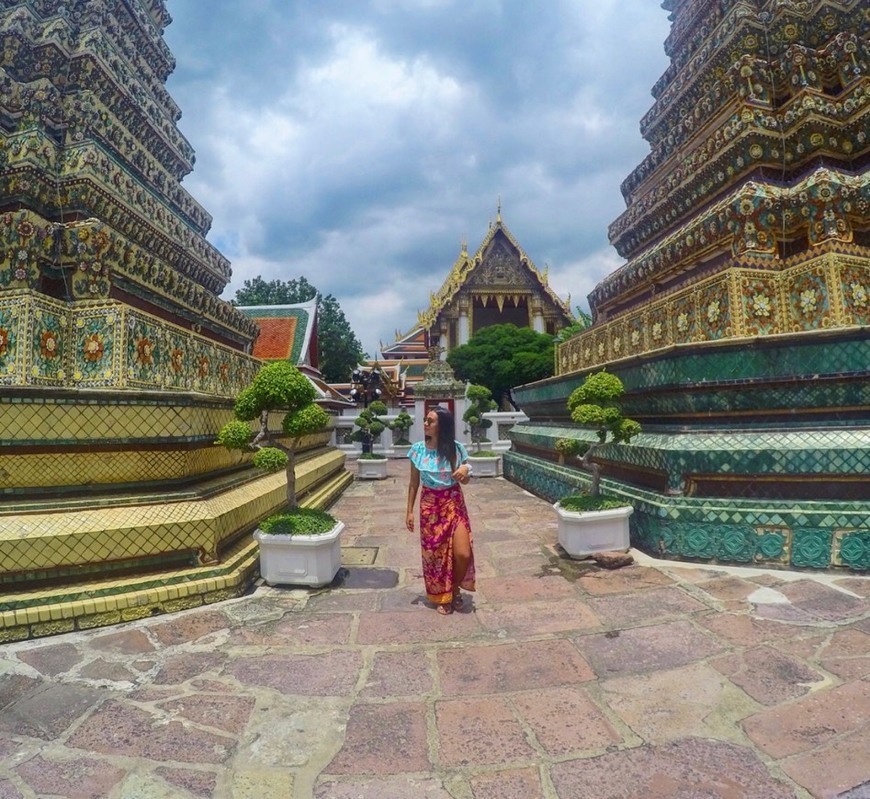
point(359, 142)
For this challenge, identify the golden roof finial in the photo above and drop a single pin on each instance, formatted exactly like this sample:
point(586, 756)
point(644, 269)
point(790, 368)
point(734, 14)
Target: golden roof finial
point(498, 212)
point(464, 246)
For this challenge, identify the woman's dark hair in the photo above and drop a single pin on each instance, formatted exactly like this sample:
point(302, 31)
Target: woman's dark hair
point(446, 434)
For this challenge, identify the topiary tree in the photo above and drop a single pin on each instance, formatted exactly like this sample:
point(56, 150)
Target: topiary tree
point(570, 448)
point(596, 404)
point(370, 425)
point(402, 424)
point(480, 402)
point(278, 386)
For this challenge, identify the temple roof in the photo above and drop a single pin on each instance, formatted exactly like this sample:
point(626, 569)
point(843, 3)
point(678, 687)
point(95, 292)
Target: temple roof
point(286, 332)
point(465, 265)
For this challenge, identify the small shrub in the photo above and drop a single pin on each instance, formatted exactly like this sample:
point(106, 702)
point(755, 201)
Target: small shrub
point(370, 424)
point(270, 459)
point(570, 447)
point(580, 503)
point(480, 402)
point(371, 456)
point(401, 425)
point(301, 521)
point(596, 403)
point(485, 453)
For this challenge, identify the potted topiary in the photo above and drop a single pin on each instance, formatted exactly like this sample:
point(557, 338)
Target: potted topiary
point(371, 465)
point(400, 426)
point(484, 462)
point(298, 546)
point(593, 522)
point(569, 448)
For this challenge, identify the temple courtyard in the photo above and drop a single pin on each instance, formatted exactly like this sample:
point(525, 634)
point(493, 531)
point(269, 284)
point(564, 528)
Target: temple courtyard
point(558, 679)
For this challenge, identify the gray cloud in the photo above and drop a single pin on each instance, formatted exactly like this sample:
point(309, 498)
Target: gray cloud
point(359, 142)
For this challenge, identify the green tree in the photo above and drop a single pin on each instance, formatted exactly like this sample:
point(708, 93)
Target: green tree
point(480, 402)
point(278, 386)
point(596, 403)
point(338, 349)
point(502, 356)
point(370, 425)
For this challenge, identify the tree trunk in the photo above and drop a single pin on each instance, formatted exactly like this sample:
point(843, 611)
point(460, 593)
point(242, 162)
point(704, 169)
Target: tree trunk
point(587, 463)
point(291, 479)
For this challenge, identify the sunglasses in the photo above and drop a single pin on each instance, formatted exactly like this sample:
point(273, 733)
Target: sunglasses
point(429, 421)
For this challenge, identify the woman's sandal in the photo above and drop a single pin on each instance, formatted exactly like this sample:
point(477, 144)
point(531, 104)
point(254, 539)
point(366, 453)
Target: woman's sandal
point(457, 601)
point(445, 610)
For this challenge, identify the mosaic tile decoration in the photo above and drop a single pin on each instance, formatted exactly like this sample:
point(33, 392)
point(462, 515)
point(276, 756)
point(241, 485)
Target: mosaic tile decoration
point(282, 332)
point(123, 534)
point(820, 535)
point(812, 292)
point(818, 372)
point(681, 455)
point(105, 344)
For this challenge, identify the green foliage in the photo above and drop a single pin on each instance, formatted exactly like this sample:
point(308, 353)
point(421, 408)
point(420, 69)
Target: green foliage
point(596, 403)
point(485, 453)
point(371, 456)
point(402, 424)
point(502, 356)
point(584, 321)
point(306, 420)
point(480, 402)
point(235, 435)
point(270, 459)
point(369, 423)
point(580, 503)
point(278, 386)
point(301, 521)
point(570, 447)
point(338, 348)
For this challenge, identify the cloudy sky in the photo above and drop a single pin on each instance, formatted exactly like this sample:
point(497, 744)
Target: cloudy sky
point(359, 142)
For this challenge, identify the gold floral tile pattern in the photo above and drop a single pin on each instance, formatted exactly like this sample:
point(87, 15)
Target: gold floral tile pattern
point(828, 290)
point(105, 344)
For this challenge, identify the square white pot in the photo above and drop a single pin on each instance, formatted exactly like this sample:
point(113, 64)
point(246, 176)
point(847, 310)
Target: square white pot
point(484, 467)
point(371, 468)
point(300, 559)
point(583, 533)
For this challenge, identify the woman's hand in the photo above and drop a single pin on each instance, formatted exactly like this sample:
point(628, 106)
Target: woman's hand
point(461, 473)
point(409, 521)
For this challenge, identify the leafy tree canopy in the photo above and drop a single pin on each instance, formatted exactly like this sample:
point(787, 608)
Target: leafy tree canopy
point(338, 348)
point(502, 356)
point(278, 386)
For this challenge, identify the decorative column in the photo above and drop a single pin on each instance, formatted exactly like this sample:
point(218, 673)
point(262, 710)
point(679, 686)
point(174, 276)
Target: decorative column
point(537, 313)
point(464, 332)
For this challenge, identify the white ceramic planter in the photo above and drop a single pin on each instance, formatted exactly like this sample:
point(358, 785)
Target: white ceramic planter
point(371, 468)
point(484, 467)
point(300, 559)
point(583, 534)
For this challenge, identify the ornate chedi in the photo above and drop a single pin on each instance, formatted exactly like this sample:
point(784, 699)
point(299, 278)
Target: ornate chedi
point(118, 361)
point(739, 323)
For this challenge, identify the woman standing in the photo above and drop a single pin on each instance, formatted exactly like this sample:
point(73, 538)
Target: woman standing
point(440, 463)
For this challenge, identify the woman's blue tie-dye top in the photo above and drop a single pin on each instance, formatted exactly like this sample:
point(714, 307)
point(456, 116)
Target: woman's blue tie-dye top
point(435, 471)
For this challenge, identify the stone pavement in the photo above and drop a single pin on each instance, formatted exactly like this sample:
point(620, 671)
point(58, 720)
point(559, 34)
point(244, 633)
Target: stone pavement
point(559, 679)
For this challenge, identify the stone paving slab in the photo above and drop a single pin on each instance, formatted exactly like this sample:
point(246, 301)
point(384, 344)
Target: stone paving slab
point(558, 680)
